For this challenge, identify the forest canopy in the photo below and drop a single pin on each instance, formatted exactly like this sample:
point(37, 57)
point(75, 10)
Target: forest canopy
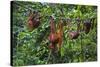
point(52, 33)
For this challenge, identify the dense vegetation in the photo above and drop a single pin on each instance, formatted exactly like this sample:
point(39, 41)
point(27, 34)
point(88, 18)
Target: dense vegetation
point(33, 47)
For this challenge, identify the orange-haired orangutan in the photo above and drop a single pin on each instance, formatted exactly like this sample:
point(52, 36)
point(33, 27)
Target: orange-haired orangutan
point(52, 37)
point(60, 33)
point(55, 37)
point(75, 34)
point(33, 20)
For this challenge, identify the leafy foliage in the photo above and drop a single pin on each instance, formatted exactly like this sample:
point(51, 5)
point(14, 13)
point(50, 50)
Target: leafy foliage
point(32, 48)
